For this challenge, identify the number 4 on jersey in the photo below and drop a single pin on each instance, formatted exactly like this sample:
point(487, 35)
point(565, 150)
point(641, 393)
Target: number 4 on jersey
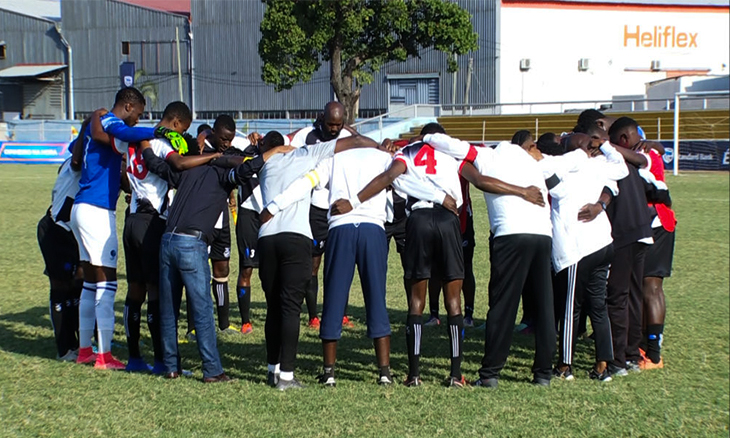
point(429, 161)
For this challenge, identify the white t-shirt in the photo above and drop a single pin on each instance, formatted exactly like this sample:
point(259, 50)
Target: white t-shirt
point(64, 192)
point(511, 214)
point(320, 197)
point(145, 184)
point(430, 167)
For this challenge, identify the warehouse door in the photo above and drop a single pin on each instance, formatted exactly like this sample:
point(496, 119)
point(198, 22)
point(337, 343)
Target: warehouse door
point(413, 90)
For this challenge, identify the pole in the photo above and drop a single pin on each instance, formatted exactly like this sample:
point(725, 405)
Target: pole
point(453, 85)
point(469, 72)
point(191, 65)
point(675, 153)
point(659, 128)
point(484, 128)
point(179, 67)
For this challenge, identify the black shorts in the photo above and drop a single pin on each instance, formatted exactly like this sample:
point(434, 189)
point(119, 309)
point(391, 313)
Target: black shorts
point(220, 247)
point(658, 259)
point(141, 239)
point(320, 227)
point(433, 245)
point(247, 236)
point(397, 231)
point(59, 249)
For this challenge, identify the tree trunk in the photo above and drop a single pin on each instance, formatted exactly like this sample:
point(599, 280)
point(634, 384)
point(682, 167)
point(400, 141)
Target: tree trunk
point(342, 84)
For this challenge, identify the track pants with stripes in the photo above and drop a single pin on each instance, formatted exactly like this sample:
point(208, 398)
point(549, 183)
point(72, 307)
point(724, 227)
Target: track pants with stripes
point(586, 289)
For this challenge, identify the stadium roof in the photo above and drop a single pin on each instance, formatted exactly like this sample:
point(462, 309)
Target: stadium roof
point(29, 70)
point(46, 9)
point(181, 7)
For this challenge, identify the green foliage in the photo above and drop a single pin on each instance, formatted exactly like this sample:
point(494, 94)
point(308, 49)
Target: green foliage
point(147, 87)
point(358, 36)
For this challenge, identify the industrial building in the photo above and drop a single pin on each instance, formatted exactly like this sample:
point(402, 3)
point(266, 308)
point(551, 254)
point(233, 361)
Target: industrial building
point(205, 53)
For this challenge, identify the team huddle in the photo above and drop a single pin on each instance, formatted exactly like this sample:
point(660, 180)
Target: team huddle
point(580, 226)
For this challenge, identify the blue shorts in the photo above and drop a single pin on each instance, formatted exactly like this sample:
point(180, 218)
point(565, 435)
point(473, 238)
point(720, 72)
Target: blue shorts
point(366, 246)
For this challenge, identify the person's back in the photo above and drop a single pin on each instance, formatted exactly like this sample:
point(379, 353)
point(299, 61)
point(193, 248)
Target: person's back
point(275, 177)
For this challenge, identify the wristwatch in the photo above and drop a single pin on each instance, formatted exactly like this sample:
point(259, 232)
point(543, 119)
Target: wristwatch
point(603, 205)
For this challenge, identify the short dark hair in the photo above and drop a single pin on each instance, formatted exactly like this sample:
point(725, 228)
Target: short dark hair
point(224, 121)
point(548, 145)
point(204, 127)
point(589, 117)
point(193, 148)
point(593, 128)
point(272, 139)
point(621, 124)
point(520, 137)
point(177, 110)
point(432, 128)
point(129, 95)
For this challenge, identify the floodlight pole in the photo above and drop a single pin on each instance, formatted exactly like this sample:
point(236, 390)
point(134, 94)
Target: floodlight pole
point(675, 152)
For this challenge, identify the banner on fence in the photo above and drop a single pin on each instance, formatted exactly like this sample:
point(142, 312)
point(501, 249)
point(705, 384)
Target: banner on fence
point(33, 152)
point(698, 155)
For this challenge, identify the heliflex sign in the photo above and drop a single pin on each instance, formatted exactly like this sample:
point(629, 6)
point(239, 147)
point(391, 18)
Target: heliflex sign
point(659, 37)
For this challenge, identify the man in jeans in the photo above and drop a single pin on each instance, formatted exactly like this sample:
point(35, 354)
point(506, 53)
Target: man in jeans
point(201, 196)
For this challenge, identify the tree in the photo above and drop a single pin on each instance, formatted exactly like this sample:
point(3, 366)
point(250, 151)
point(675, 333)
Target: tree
point(147, 87)
point(357, 37)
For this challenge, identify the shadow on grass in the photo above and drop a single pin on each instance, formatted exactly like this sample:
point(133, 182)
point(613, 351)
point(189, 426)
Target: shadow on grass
point(244, 357)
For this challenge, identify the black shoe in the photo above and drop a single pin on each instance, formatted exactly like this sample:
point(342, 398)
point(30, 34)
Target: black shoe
point(220, 378)
point(413, 381)
point(605, 376)
point(328, 380)
point(491, 382)
point(565, 375)
point(272, 379)
point(632, 366)
point(616, 371)
point(539, 381)
point(285, 385)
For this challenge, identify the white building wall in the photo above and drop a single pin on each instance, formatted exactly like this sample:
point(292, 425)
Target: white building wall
point(554, 39)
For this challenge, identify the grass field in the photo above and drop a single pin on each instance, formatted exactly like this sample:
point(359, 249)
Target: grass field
point(42, 397)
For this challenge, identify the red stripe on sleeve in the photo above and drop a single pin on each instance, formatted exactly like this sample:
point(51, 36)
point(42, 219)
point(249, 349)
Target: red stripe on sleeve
point(402, 161)
point(472, 155)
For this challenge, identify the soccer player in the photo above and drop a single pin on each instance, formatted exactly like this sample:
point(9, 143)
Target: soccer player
point(61, 256)
point(200, 199)
point(657, 267)
point(93, 221)
point(329, 127)
point(143, 229)
point(285, 248)
point(432, 238)
point(519, 250)
point(582, 247)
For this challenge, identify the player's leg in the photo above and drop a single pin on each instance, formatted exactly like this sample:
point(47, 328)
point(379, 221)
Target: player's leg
point(657, 266)
point(135, 228)
point(566, 327)
point(434, 296)
point(617, 302)
point(418, 259)
point(191, 258)
point(592, 280)
point(451, 266)
point(220, 254)
point(270, 276)
point(151, 275)
point(540, 279)
point(170, 297)
point(86, 311)
point(296, 261)
point(247, 232)
point(320, 227)
point(339, 269)
point(507, 278)
point(636, 308)
point(469, 287)
point(372, 263)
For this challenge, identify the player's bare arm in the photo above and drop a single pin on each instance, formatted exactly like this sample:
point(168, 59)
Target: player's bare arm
point(97, 130)
point(488, 184)
point(77, 154)
point(590, 211)
point(354, 142)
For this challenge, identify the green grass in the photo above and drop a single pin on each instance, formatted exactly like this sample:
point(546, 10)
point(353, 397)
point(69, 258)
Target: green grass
point(42, 397)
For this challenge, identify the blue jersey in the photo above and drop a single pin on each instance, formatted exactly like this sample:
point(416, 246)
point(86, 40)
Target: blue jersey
point(100, 173)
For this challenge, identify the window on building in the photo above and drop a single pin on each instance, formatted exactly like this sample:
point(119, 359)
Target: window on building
point(413, 90)
point(2, 50)
point(125, 47)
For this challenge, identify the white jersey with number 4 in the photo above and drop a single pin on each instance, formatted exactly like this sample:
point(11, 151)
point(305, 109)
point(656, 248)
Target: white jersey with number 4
point(431, 167)
point(147, 185)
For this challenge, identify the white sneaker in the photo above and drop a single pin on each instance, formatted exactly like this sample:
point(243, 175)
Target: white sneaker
point(70, 356)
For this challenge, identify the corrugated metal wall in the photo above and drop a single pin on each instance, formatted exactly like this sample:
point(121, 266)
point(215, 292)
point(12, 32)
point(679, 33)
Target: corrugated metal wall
point(29, 40)
point(228, 68)
point(96, 29)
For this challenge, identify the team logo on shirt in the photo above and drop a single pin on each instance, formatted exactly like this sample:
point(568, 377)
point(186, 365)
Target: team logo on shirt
point(113, 253)
point(227, 253)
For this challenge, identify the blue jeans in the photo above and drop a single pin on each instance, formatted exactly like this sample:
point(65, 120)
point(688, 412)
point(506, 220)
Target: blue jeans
point(184, 261)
